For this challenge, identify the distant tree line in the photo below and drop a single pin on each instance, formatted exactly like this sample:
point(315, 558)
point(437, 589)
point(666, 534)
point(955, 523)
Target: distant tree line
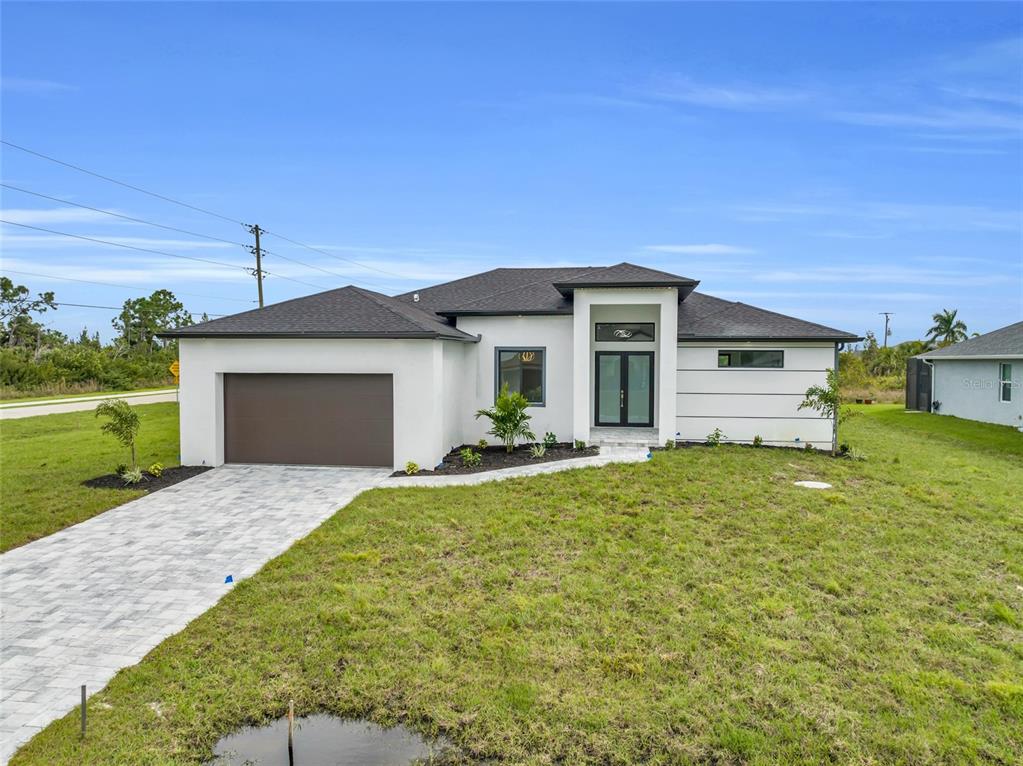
point(872, 369)
point(35, 359)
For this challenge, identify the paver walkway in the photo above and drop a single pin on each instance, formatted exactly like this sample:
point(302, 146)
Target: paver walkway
point(77, 606)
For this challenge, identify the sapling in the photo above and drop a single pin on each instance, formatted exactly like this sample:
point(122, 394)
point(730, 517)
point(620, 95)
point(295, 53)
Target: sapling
point(123, 424)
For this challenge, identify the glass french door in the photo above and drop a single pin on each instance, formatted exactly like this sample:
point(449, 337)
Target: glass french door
point(625, 388)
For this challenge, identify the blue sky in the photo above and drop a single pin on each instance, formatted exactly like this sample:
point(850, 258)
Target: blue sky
point(829, 161)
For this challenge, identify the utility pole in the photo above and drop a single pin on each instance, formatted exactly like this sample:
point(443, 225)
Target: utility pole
point(886, 314)
point(255, 231)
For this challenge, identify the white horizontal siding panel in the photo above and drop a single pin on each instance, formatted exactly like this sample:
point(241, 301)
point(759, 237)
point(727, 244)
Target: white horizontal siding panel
point(775, 431)
point(743, 405)
point(797, 357)
point(747, 381)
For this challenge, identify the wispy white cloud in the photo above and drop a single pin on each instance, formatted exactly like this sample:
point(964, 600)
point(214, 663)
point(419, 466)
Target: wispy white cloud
point(879, 274)
point(33, 85)
point(54, 241)
point(710, 248)
point(890, 214)
point(57, 215)
point(943, 118)
point(686, 90)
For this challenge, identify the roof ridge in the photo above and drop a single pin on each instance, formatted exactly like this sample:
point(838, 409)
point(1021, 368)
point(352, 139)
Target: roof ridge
point(375, 297)
point(527, 284)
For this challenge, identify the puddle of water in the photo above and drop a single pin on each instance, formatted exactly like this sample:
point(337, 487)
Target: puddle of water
point(324, 740)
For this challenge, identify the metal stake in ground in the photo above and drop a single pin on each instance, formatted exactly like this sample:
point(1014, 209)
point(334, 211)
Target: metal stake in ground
point(83, 711)
point(291, 732)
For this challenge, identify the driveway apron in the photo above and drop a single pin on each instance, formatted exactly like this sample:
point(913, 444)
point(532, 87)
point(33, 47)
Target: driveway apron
point(77, 606)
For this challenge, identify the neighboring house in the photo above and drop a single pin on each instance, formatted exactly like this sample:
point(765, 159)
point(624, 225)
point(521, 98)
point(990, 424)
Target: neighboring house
point(978, 379)
point(605, 354)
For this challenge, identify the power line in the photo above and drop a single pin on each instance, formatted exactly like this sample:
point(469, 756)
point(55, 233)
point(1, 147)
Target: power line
point(121, 308)
point(198, 209)
point(332, 255)
point(129, 247)
point(121, 215)
point(115, 284)
point(120, 183)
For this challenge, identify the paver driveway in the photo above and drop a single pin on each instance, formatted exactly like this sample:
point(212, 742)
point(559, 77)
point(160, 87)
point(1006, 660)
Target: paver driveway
point(86, 601)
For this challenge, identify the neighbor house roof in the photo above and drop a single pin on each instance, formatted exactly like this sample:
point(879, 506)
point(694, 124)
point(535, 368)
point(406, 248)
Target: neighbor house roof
point(353, 312)
point(1003, 342)
point(348, 312)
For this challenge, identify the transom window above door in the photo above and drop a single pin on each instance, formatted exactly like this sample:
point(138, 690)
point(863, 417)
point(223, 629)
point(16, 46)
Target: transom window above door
point(522, 370)
point(625, 331)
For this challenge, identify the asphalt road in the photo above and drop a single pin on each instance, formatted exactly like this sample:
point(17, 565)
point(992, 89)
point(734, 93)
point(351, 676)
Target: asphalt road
point(56, 406)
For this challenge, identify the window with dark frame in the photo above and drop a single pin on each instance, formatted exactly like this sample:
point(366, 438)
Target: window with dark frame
point(624, 331)
point(752, 358)
point(1005, 381)
point(522, 370)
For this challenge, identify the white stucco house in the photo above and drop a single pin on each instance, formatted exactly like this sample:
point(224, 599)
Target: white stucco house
point(604, 354)
point(980, 378)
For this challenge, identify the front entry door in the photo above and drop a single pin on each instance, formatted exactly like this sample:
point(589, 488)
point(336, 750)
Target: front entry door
point(625, 388)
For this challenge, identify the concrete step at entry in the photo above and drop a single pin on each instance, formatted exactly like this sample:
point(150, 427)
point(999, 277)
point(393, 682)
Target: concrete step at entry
point(624, 437)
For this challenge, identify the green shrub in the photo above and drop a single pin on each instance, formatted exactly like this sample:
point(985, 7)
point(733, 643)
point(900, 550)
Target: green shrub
point(758, 441)
point(155, 470)
point(670, 444)
point(132, 475)
point(549, 439)
point(123, 424)
point(482, 444)
point(470, 457)
point(508, 418)
point(579, 444)
point(714, 437)
point(538, 450)
point(411, 468)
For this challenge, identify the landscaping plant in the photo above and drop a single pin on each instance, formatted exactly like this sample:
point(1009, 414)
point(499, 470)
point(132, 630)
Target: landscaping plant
point(482, 444)
point(508, 418)
point(758, 441)
point(123, 424)
point(549, 439)
point(470, 457)
point(579, 444)
point(827, 400)
point(132, 475)
point(411, 468)
point(155, 470)
point(714, 437)
point(538, 450)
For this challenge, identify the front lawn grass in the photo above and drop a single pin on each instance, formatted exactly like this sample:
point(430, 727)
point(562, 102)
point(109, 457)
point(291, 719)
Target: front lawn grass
point(44, 460)
point(697, 608)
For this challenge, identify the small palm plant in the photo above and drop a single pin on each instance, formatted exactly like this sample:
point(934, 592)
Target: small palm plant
point(508, 418)
point(827, 400)
point(123, 424)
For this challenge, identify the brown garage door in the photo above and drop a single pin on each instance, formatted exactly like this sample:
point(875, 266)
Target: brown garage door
point(309, 419)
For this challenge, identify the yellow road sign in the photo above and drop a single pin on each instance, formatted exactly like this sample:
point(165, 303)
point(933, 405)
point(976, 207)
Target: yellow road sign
point(175, 368)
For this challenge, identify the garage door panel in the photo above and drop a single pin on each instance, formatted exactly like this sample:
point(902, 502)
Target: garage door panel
point(309, 419)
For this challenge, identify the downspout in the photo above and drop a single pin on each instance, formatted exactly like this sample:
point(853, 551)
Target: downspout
point(834, 419)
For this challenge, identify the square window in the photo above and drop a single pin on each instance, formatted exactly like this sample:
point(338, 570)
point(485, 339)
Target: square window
point(522, 370)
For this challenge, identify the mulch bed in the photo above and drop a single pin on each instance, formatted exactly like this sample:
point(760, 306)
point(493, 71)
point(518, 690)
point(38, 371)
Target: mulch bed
point(149, 483)
point(498, 457)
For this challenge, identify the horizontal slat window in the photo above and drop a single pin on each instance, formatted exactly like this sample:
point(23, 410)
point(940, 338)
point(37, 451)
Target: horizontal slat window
point(752, 358)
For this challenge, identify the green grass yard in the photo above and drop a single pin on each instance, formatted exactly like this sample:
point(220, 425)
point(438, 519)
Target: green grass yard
point(697, 608)
point(44, 460)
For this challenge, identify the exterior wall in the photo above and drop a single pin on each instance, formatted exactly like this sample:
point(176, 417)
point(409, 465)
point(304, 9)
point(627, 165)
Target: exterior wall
point(659, 305)
point(459, 372)
point(417, 368)
point(554, 334)
point(969, 389)
point(746, 402)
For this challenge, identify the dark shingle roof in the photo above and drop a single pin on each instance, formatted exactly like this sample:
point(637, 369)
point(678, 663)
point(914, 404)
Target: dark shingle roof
point(1005, 341)
point(352, 312)
point(704, 317)
point(348, 312)
point(536, 291)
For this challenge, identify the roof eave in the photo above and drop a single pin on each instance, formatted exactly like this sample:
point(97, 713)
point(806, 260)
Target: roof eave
point(771, 338)
point(516, 313)
point(349, 335)
point(966, 357)
point(567, 288)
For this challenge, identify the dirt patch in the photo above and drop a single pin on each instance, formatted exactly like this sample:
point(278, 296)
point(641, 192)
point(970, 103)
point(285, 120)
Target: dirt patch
point(149, 483)
point(497, 457)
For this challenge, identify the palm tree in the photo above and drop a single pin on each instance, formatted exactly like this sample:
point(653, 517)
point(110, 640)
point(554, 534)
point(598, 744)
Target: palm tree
point(947, 329)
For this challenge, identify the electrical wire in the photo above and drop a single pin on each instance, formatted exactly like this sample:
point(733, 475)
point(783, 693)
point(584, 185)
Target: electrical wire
point(121, 215)
point(332, 255)
point(121, 308)
point(115, 284)
point(119, 183)
point(129, 247)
